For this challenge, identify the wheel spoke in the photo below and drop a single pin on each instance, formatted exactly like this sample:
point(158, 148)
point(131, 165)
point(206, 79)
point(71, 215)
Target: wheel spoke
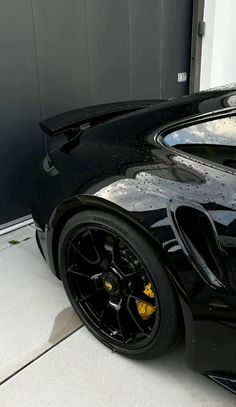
point(86, 247)
point(121, 316)
point(133, 274)
point(73, 270)
point(121, 328)
point(123, 324)
point(102, 319)
point(115, 312)
point(95, 280)
point(132, 309)
point(111, 246)
point(143, 298)
point(88, 297)
point(89, 235)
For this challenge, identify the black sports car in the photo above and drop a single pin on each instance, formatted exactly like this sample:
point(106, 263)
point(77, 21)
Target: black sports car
point(135, 208)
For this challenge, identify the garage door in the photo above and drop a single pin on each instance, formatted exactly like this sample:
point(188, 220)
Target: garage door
point(58, 55)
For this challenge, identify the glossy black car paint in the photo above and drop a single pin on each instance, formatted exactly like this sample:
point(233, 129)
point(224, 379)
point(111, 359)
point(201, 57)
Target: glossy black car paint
point(122, 165)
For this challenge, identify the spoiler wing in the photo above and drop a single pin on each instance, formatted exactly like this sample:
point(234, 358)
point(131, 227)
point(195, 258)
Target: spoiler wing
point(89, 116)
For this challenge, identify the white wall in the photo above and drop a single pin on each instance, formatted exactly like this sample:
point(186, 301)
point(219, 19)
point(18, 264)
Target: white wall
point(219, 44)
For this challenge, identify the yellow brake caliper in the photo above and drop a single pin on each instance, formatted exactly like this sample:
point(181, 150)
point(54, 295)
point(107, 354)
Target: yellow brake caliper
point(146, 310)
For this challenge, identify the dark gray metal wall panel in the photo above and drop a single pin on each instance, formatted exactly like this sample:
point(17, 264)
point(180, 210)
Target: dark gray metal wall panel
point(61, 40)
point(145, 48)
point(177, 25)
point(108, 45)
point(58, 55)
point(20, 138)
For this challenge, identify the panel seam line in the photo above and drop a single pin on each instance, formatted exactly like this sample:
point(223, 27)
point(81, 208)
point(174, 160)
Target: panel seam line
point(87, 40)
point(37, 61)
point(39, 356)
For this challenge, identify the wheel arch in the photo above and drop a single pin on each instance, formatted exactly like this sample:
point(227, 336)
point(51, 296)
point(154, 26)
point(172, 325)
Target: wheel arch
point(79, 203)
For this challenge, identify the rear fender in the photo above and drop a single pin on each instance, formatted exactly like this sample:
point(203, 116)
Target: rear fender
point(71, 206)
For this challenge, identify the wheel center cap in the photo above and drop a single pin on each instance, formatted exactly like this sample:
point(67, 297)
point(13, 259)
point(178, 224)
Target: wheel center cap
point(111, 283)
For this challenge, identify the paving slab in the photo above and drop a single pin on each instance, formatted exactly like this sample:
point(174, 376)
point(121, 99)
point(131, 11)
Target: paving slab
point(35, 313)
point(14, 238)
point(82, 372)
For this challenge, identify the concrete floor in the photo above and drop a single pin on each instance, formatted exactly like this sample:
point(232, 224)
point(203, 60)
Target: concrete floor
point(35, 313)
point(43, 365)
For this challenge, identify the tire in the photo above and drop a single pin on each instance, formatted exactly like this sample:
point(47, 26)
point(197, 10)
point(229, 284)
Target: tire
point(94, 236)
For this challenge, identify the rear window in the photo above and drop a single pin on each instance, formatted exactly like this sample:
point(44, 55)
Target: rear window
point(213, 140)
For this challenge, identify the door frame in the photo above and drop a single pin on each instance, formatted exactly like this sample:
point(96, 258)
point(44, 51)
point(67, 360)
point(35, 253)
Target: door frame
point(198, 31)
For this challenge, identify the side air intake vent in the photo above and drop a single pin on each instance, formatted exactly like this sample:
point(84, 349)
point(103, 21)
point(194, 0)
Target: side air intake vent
point(200, 239)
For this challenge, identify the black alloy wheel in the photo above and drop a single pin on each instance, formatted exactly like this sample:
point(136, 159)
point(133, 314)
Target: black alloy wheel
point(114, 279)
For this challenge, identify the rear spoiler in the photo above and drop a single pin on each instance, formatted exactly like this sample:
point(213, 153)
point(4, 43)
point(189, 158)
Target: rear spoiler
point(92, 115)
